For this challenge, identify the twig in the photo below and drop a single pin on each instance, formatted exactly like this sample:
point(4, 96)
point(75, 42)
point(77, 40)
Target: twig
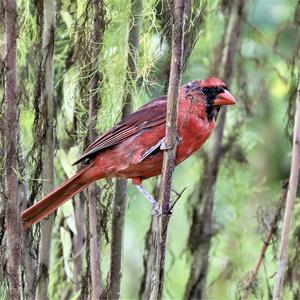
point(178, 197)
point(267, 241)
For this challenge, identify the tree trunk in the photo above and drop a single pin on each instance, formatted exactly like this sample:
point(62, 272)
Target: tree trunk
point(201, 230)
point(119, 205)
point(160, 223)
point(47, 111)
point(29, 256)
point(79, 241)
point(94, 101)
point(149, 251)
point(10, 151)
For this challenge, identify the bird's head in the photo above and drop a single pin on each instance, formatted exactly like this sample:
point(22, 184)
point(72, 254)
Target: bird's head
point(212, 92)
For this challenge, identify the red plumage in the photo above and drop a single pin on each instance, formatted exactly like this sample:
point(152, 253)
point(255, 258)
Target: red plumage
point(132, 148)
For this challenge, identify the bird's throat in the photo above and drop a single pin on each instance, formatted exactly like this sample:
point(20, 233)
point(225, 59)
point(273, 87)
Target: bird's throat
point(212, 112)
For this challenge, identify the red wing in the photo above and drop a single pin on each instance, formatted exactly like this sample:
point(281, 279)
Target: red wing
point(149, 115)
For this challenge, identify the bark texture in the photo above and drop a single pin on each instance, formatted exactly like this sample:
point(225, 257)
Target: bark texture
point(194, 20)
point(120, 201)
point(79, 241)
point(94, 104)
point(149, 250)
point(11, 126)
point(201, 231)
point(29, 256)
point(160, 223)
point(47, 111)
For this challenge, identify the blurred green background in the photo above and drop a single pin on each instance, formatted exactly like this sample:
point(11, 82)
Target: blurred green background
point(262, 85)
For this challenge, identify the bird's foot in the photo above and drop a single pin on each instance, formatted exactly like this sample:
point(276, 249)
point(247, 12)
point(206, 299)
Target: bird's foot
point(156, 210)
point(156, 206)
point(164, 146)
point(161, 145)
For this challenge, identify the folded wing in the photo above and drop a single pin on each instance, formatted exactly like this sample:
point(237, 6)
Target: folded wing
point(150, 115)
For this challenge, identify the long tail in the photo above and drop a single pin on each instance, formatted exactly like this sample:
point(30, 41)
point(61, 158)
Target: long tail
point(55, 199)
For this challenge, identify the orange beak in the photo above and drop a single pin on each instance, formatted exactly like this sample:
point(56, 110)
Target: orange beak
point(224, 98)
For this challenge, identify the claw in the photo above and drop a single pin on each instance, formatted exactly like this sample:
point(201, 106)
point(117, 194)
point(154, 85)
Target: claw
point(156, 211)
point(164, 146)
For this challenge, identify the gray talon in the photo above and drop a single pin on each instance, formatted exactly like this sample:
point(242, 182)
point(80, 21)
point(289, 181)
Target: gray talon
point(156, 211)
point(163, 145)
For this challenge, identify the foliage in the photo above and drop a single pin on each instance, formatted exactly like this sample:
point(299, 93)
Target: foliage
point(250, 176)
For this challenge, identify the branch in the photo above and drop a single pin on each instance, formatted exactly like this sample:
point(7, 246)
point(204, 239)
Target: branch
point(267, 241)
point(194, 17)
point(161, 222)
point(290, 202)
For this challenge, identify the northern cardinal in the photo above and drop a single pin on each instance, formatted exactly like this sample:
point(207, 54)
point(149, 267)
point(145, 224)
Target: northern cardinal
point(134, 147)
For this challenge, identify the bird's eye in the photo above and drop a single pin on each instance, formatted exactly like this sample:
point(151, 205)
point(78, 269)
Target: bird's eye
point(220, 90)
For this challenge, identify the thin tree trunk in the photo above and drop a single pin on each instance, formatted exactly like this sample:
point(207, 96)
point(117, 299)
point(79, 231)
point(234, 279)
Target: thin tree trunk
point(94, 101)
point(193, 26)
point(118, 219)
point(79, 241)
point(96, 278)
point(119, 205)
point(160, 223)
point(290, 202)
point(29, 257)
point(149, 251)
point(30, 261)
point(10, 152)
point(81, 248)
point(201, 231)
point(293, 181)
point(47, 111)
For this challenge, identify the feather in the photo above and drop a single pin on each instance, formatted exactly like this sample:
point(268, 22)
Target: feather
point(150, 115)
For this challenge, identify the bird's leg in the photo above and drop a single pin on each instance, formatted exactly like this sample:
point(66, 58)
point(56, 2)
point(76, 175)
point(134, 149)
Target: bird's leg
point(149, 197)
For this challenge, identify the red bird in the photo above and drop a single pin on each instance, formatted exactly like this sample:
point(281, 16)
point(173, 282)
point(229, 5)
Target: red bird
point(134, 147)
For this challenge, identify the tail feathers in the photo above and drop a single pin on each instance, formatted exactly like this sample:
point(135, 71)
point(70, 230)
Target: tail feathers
point(55, 199)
